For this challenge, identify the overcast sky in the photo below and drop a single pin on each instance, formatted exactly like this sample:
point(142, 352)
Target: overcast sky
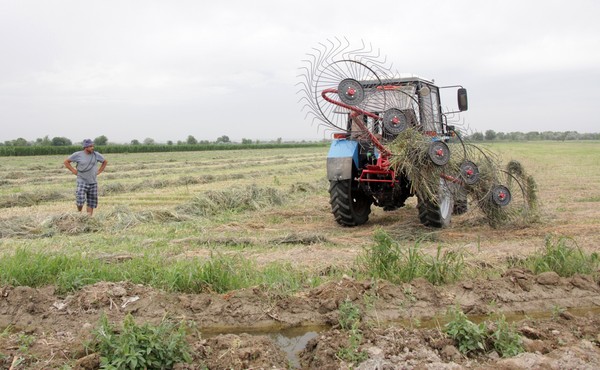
point(169, 69)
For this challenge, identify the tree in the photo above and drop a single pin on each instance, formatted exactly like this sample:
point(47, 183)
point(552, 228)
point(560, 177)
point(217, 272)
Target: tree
point(148, 141)
point(61, 141)
point(135, 142)
point(246, 141)
point(45, 141)
point(490, 135)
point(20, 142)
point(223, 139)
point(477, 136)
point(191, 140)
point(169, 142)
point(101, 140)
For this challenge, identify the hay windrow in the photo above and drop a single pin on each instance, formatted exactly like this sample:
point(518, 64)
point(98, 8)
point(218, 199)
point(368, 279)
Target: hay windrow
point(28, 199)
point(21, 227)
point(72, 224)
point(237, 199)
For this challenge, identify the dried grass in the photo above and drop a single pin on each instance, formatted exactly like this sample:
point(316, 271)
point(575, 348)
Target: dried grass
point(30, 199)
point(72, 224)
point(410, 157)
point(249, 198)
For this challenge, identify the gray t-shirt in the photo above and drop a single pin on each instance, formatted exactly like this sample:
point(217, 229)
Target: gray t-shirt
point(87, 165)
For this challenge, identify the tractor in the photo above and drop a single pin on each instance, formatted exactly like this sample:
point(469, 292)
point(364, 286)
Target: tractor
point(392, 140)
point(358, 167)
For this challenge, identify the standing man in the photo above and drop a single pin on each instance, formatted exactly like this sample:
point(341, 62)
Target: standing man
point(86, 171)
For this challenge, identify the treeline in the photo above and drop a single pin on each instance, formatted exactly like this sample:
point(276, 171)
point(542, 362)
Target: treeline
point(144, 148)
point(63, 145)
point(491, 135)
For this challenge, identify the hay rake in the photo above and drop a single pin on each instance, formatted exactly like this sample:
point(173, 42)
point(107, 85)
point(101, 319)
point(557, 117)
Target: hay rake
point(392, 140)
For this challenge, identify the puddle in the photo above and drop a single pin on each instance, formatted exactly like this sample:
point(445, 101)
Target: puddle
point(289, 340)
point(294, 340)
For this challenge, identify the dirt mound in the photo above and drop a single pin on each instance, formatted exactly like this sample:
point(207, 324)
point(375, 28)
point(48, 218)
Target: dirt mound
point(37, 324)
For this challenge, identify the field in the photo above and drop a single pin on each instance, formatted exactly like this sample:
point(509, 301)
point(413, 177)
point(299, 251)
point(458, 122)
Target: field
point(243, 245)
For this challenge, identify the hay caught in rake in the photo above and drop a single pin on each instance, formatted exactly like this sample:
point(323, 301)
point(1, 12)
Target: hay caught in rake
point(410, 157)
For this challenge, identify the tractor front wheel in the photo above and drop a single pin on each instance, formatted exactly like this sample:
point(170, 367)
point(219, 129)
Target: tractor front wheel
point(349, 204)
point(438, 211)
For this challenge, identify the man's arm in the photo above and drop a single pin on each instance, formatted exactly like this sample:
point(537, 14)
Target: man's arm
point(102, 167)
point(67, 163)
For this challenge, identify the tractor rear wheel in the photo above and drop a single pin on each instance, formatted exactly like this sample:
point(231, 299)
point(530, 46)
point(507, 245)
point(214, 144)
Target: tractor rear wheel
point(349, 204)
point(436, 212)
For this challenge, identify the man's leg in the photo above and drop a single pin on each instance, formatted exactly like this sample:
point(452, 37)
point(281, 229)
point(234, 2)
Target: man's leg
point(80, 196)
point(92, 198)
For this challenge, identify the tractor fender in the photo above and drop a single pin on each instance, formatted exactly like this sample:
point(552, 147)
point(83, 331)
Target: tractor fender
point(342, 157)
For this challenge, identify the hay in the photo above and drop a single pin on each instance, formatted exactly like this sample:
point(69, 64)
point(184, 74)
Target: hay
point(30, 199)
point(249, 198)
point(72, 224)
point(23, 227)
point(410, 158)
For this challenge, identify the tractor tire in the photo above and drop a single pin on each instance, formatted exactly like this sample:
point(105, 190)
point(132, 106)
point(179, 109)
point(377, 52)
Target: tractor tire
point(350, 206)
point(437, 212)
point(460, 200)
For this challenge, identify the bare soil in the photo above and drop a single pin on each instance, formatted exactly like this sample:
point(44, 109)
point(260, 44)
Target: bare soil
point(401, 324)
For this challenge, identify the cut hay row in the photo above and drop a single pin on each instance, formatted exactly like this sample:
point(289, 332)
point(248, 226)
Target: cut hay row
point(232, 200)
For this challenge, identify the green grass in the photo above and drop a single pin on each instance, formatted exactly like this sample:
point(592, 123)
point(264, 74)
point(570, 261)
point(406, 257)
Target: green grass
point(389, 260)
point(243, 206)
point(217, 274)
point(563, 256)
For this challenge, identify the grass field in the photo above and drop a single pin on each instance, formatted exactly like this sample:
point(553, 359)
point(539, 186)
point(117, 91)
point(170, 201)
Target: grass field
point(269, 206)
point(247, 238)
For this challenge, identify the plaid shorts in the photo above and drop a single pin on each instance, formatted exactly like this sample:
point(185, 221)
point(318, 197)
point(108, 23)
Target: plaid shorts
point(87, 192)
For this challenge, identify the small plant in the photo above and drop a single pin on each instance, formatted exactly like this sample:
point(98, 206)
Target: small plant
point(469, 336)
point(25, 341)
point(141, 347)
point(506, 340)
point(349, 320)
point(557, 311)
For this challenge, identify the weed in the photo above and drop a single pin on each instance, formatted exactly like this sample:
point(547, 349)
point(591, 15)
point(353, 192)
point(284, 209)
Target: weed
point(349, 320)
point(564, 257)
point(506, 340)
point(25, 341)
point(386, 259)
point(469, 336)
point(557, 311)
point(141, 347)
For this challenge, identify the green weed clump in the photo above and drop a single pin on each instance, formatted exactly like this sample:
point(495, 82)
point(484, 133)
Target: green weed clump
point(349, 321)
point(141, 347)
point(386, 259)
point(563, 256)
point(471, 338)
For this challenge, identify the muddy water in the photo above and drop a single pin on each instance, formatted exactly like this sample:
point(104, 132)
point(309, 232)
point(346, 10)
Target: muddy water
point(294, 340)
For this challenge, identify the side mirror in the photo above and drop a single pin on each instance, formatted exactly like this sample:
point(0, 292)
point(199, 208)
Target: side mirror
point(463, 103)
